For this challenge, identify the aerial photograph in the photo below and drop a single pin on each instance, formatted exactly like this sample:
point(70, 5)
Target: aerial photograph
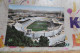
point(35, 26)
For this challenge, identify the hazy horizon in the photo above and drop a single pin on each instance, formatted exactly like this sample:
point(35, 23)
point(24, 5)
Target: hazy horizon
point(40, 8)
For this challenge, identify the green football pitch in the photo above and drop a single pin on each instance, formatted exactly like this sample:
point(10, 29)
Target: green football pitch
point(38, 26)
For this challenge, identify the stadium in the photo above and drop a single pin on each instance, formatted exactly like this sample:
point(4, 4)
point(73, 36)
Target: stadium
point(41, 26)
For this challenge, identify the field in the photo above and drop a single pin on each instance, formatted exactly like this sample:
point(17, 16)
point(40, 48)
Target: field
point(38, 26)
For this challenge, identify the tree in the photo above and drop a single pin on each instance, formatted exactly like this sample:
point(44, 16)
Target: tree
point(44, 41)
point(35, 44)
point(17, 38)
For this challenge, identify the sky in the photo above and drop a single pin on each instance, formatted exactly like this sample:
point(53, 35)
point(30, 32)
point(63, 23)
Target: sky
point(40, 8)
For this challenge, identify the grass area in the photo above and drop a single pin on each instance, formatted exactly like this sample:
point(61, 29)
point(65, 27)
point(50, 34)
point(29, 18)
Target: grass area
point(38, 26)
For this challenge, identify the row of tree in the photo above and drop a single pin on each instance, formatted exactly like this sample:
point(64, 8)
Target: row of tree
point(17, 38)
